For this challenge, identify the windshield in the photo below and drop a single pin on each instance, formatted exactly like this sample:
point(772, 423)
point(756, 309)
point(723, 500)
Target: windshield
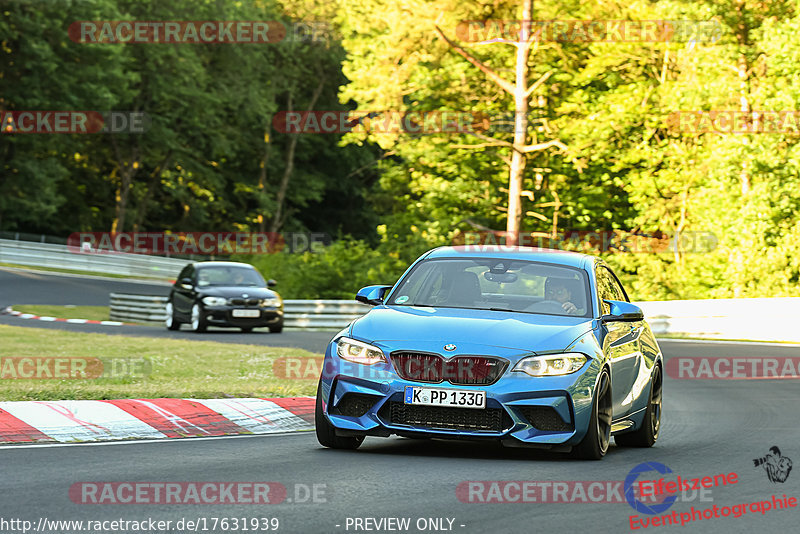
point(229, 276)
point(496, 284)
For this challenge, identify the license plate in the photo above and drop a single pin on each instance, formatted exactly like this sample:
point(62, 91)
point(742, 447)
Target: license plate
point(459, 398)
point(246, 313)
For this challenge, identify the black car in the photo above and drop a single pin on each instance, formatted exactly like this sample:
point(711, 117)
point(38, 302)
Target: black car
point(223, 293)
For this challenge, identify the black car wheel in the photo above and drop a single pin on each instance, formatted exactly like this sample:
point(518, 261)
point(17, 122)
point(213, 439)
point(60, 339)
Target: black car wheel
point(595, 443)
point(277, 329)
point(171, 322)
point(326, 433)
point(647, 434)
point(198, 321)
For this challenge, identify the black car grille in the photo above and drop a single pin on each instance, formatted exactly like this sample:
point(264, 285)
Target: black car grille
point(488, 419)
point(355, 404)
point(243, 302)
point(461, 370)
point(545, 418)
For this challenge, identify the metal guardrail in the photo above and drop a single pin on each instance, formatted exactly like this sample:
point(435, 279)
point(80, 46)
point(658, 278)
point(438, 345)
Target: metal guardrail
point(63, 257)
point(149, 309)
point(757, 319)
point(307, 314)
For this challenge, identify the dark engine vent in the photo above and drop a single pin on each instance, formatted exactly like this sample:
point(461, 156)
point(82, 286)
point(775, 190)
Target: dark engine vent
point(545, 418)
point(489, 419)
point(355, 404)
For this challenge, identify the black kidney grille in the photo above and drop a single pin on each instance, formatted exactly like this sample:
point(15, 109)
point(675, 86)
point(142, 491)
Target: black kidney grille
point(243, 302)
point(545, 418)
point(461, 370)
point(489, 419)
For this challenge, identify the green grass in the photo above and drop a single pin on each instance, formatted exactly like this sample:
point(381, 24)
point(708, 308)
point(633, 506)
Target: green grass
point(97, 313)
point(179, 368)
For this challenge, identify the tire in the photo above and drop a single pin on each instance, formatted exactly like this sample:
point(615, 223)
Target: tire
point(276, 329)
point(199, 324)
point(595, 443)
point(326, 434)
point(171, 322)
point(647, 434)
point(247, 329)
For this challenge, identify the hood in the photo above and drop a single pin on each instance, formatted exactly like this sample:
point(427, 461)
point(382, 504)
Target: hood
point(406, 327)
point(237, 291)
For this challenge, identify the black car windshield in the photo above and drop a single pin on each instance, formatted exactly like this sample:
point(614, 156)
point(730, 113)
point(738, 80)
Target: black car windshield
point(496, 284)
point(229, 276)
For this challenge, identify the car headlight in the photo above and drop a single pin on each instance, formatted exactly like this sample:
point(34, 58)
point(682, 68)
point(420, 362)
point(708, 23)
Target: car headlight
point(215, 301)
point(358, 352)
point(271, 302)
point(551, 364)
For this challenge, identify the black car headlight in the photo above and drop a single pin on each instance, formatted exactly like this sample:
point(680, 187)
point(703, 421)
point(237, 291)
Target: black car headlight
point(551, 364)
point(215, 301)
point(358, 351)
point(272, 303)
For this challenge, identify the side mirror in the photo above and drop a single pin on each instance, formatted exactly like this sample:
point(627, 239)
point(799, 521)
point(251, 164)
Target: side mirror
point(271, 283)
point(372, 295)
point(186, 283)
point(624, 312)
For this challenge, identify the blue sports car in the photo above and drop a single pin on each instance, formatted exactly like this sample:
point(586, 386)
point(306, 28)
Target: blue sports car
point(531, 347)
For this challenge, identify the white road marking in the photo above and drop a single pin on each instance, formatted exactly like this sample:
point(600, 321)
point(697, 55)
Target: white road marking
point(723, 342)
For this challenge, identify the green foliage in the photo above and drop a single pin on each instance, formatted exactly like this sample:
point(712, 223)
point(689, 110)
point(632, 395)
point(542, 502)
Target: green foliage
point(611, 103)
point(340, 270)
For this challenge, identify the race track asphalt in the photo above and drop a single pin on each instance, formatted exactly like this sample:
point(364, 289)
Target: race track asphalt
point(709, 427)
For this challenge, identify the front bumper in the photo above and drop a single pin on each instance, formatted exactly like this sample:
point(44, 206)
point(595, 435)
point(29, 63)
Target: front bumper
point(520, 409)
point(223, 316)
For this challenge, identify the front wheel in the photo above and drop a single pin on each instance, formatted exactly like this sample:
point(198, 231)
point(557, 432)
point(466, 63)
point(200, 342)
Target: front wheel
point(595, 443)
point(326, 433)
point(198, 321)
point(276, 329)
point(647, 434)
point(171, 322)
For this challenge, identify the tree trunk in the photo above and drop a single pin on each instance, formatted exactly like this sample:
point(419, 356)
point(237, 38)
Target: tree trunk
point(277, 220)
point(518, 159)
point(127, 170)
point(262, 177)
point(743, 72)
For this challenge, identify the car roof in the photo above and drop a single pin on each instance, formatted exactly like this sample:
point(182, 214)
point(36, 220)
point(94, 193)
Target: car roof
point(545, 255)
point(203, 264)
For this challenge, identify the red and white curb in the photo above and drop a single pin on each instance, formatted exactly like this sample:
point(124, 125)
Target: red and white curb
point(21, 315)
point(103, 420)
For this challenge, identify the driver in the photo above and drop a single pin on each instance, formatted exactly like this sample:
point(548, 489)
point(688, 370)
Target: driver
point(558, 291)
